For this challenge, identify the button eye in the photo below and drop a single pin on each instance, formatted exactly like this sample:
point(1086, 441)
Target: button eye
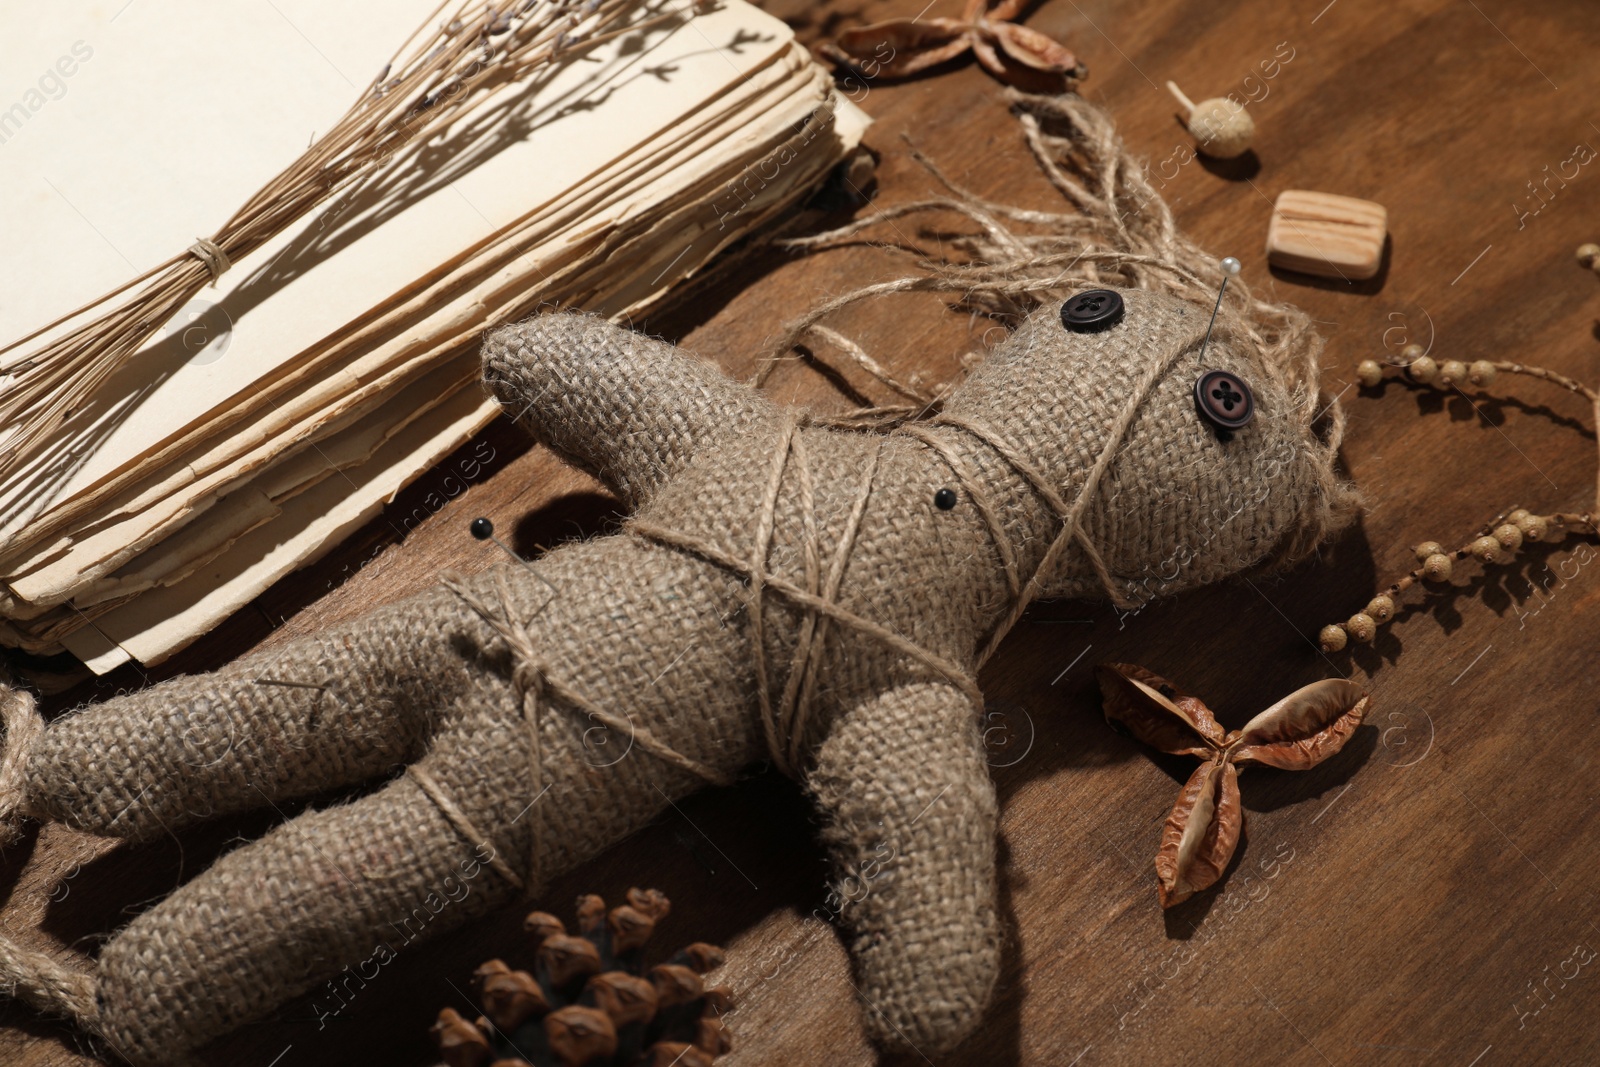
point(1224, 400)
point(1091, 310)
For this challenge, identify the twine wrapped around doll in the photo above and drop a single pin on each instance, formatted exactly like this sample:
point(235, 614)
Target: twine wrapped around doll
point(785, 590)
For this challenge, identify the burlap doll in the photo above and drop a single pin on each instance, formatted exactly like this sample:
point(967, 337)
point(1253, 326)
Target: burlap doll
point(784, 590)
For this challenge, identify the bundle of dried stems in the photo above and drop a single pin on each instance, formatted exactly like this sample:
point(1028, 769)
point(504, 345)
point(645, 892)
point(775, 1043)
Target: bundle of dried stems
point(438, 75)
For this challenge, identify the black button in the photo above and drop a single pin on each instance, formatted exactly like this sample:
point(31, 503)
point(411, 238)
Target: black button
point(482, 529)
point(1224, 399)
point(1092, 309)
point(944, 499)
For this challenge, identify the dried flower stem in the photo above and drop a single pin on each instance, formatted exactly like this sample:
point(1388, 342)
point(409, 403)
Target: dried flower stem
point(436, 79)
point(1497, 540)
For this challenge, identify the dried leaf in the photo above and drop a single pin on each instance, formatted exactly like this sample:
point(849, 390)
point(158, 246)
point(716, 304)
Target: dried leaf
point(1032, 48)
point(1178, 724)
point(1305, 727)
point(1005, 9)
point(1201, 833)
point(911, 46)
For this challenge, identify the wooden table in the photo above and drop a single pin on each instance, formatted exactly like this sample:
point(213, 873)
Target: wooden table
point(1411, 901)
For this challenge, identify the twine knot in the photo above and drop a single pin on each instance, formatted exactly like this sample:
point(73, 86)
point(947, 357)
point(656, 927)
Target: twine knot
point(211, 254)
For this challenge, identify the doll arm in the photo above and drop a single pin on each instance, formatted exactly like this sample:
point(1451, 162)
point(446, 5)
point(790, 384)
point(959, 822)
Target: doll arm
point(912, 830)
point(627, 408)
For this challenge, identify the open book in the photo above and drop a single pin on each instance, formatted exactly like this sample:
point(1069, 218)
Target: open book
point(285, 406)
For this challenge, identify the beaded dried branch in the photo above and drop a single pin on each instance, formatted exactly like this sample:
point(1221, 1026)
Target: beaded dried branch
point(589, 1000)
point(1498, 540)
point(441, 73)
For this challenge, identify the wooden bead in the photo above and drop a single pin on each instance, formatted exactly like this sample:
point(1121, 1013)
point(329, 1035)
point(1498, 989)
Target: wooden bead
point(1486, 550)
point(1361, 628)
point(1451, 372)
point(1369, 373)
point(1428, 548)
point(1533, 527)
point(1481, 373)
point(1422, 370)
point(1509, 536)
point(1380, 608)
point(1327, 235)
point(1437, 568)
point(1332, 638)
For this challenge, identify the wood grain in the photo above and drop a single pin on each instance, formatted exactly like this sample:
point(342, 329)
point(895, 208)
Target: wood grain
point(1396, 905)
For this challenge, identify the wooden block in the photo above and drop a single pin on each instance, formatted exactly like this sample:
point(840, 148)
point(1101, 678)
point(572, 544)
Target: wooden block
point(1328, 235)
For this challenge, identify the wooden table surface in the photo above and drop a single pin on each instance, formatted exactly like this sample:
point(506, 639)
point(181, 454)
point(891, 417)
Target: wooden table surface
point(1421, 899)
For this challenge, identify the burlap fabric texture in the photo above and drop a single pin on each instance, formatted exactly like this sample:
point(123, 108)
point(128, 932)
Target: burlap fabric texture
point(784, 591)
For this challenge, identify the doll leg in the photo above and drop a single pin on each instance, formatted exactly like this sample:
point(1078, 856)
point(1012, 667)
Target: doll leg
point(912, 832)
point(323, 904)
point(273, 725)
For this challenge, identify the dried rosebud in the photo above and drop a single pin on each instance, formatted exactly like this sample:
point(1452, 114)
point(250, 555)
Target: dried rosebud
point(630, 928)
point(510, 999)
point(703, 957)
point(626, 998)
point(676, 1054)
point(567, 959)
point(460, 1043)
point(651, 902)
point(712, 1036)
point(675, 985)
point(541, 925)
point(578, 1035)
point(489, 970)
point(591, 913)
point(719, 1000)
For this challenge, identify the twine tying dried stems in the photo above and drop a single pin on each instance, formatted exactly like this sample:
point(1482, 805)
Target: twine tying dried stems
point(445, 69)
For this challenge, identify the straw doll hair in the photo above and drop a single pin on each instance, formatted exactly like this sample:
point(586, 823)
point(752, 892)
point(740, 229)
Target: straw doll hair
point(818, 594)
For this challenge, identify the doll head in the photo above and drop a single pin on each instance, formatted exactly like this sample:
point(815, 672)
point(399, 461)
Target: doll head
point(1175, 497)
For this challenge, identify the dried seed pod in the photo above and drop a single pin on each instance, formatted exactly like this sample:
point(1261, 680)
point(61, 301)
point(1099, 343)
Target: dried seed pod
point(1533, 527)
point(1333, 638)
point(1222, 128)
point(1411, 352)
point(567, 959)
point(460, 1043)
point(1481, 373)
point(1361, 628)
point(1437, 567)
point(1380, 608)
point(1589, 255)
point(511, 999)
point(1369, 373)
point(1426, 549)
point(578, 1034)
point(1422, 370)
point(1486, 550)
point(630, 928)
point(1509, 535)
point(1452, 372)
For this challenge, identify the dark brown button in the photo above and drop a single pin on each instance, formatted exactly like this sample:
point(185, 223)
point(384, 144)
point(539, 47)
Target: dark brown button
point(1090, 310)
point(1224, 399)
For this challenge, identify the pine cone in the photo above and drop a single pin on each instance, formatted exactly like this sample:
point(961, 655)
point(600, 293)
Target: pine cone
point(589, 1002)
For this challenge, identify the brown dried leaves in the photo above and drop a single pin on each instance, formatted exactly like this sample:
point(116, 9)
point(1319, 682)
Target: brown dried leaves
point(898, 48)
point(1295, 734)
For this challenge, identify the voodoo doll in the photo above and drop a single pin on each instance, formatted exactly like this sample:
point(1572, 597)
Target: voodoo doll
point(785, 589)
